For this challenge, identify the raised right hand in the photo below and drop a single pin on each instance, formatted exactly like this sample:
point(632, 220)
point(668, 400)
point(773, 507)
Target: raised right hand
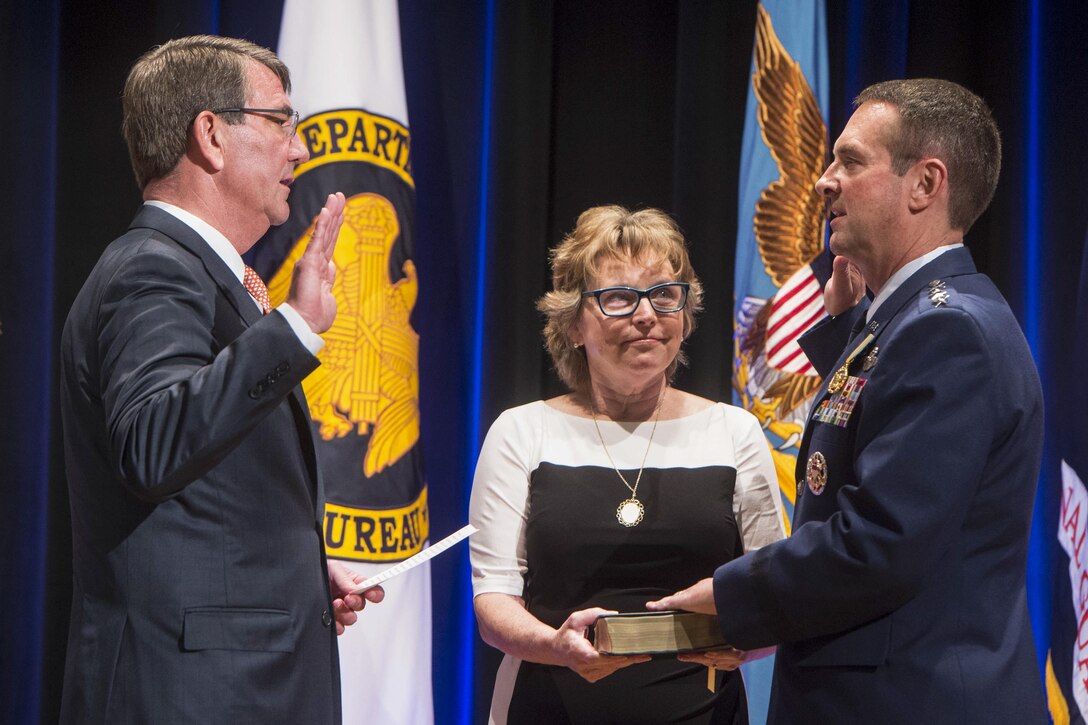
point(845, 288)
point(311, 283)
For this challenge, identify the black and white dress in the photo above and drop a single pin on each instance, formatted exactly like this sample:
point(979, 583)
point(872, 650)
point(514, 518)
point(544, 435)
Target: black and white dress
point(544, 499)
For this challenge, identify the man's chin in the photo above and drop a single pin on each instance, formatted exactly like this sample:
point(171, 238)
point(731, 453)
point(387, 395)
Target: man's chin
point(279, 217)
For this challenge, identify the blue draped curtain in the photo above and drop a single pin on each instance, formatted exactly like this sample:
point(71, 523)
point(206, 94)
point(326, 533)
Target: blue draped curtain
point(523, 114)
point(28, 190)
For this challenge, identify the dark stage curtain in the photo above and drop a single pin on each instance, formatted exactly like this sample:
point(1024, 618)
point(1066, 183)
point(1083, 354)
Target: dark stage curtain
point(29, 193)
point(523, 114)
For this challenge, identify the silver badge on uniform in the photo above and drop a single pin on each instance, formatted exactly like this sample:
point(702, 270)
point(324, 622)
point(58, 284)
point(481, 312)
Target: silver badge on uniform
point(937, 294)
point(869, 361)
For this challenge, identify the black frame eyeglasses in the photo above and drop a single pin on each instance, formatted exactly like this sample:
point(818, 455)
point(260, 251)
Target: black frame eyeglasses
point(289, 124)
point(623, 301)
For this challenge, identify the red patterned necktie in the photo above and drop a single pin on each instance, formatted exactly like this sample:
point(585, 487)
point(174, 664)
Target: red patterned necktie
point(255, 286)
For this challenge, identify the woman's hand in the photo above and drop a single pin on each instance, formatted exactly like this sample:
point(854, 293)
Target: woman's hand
point(575, 651)
point(506, 624)
point(725, 658)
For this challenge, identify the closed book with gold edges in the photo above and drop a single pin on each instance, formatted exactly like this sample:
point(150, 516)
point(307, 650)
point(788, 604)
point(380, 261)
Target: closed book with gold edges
point(633, 633)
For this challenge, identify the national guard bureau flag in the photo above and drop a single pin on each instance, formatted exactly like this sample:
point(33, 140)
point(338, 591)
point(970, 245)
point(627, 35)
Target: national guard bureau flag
point(781, 263)
point(1067, 657)
point(348, 86)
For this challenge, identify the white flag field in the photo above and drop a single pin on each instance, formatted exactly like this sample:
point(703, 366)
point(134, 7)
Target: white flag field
point(348, 85)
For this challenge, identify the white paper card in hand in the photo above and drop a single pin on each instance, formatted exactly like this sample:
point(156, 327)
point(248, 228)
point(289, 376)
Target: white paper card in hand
point(412, 562)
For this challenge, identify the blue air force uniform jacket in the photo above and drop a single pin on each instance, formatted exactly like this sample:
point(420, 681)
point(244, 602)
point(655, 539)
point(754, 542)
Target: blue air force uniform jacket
point(900, 597)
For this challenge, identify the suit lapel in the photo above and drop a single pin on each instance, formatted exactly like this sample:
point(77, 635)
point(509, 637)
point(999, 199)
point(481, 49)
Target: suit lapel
point(231, 287)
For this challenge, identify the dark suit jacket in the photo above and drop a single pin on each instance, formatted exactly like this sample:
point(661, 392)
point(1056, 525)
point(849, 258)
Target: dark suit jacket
point(900, 597)
point(201, 592)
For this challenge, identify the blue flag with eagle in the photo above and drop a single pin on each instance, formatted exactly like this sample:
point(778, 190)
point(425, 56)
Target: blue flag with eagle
point(348, 86)
point(781, 262)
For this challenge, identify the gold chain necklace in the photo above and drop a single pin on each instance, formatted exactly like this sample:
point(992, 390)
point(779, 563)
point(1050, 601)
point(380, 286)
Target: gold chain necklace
point(630, 512)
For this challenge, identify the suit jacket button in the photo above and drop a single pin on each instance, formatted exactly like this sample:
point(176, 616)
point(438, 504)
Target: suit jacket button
point(326, 618)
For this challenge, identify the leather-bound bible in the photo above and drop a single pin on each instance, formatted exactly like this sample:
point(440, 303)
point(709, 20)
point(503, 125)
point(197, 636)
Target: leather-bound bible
point(633, 633)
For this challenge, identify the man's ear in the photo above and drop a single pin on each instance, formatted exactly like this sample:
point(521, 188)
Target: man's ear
point(206, 139)
point(929, 181)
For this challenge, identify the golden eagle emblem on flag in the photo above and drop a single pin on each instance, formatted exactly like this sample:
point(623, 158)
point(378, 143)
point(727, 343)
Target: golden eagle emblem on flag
point(368, 382)
point(773, 378)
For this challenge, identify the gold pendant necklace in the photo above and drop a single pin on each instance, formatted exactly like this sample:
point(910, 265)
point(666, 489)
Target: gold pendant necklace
point(630, 512)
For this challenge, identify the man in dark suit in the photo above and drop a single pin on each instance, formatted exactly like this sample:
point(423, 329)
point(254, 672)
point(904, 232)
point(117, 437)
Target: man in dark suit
point(201, 593)
point(900, 597)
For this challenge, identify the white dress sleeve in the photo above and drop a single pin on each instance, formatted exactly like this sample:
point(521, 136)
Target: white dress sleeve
point(499, 503)
point(757, 504)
